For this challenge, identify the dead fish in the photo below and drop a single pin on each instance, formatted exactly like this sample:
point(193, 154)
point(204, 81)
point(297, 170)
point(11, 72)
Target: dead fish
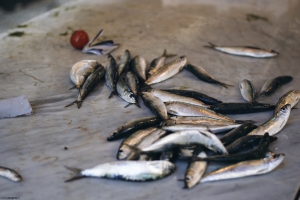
point(167, 71)
point(159, 62)
point(139, 67)
point(275, 124)
point(133, 83)
point(90, 83)
point(213, 129)
point(126, 170)
point(124, 66)
point(200, 120)
point(245, 51)
point(247, 90)
point(124, 90)
point(185, 109)
point(273, 84)
point(10, 174)
point(195, 171)
point(155, 105)
point(132, 126)
point(292, 97)
point(167, 96)
point(203, 75)
point(111, 75)
point(81, 70)
point(245, 168)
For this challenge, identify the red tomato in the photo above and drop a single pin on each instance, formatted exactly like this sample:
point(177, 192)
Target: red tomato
point(79, 39)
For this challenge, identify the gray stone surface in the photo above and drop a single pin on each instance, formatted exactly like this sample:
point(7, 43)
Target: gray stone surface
point(38, 64)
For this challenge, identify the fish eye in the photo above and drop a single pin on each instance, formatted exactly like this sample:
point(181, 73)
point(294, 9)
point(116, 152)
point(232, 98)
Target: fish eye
point(121, 151)
point(131, 96)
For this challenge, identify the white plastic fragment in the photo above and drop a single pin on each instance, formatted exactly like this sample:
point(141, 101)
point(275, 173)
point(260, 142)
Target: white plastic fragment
point(14, 107)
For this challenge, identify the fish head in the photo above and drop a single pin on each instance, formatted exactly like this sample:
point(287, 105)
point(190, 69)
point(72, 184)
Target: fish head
point(285, 111)
point(129, 96)
point(123, 152)
point(182, 60)
point(191, 179)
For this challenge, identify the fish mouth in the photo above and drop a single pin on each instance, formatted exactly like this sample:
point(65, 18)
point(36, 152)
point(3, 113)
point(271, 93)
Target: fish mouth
point(272, 51)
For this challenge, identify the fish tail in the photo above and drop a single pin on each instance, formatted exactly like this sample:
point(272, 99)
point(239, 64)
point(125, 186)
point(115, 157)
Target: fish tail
point(137, 103)
point(79, 103)
point(71, 104)
point(129, 104)
point(165, 54)
point(75, 86)
point(112, 94)
point(77, 175)
point(211, 45)
point(225, 85)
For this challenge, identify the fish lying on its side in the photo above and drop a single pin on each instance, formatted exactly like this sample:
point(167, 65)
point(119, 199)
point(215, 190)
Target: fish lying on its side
point(139, 67)
point(155, 105)
point(10, 174)
point(159, 62)
point(127, 170)
point(111, 75)
point(273, 84)
point(245, 168)
point(292, 97)
point(124, 91)
point(185, 127)
point(133, 84)
point(247, 90)
point(124, 66)
point(245, 51)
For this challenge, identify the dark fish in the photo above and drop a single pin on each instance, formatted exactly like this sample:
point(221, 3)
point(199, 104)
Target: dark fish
point(156, 105)
point(196, 95)
point(90, 83)
point(111, 75)
point(132, 126)
point(237, 133)
point(257, 153)
point(241, 108)
point(203, 75)
point(248, 142)
point(271, 85)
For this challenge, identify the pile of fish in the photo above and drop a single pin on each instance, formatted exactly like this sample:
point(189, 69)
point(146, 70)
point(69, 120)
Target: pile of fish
point(187, 124)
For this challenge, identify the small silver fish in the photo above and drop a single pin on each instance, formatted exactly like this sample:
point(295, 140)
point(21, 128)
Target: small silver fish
point(140, 68)
point(201, 120)
point(213, 128)
point(127, 170)
point(155, 105)
point(245, 168)
point(275, 124)
point(167, 71)
point(159, 62)
point(292, 97)
point(10, 174)
point(124, 62)
point(195, 171)
point(245, 51)
point(111, 75)
point(124, 91)
point(247, 90)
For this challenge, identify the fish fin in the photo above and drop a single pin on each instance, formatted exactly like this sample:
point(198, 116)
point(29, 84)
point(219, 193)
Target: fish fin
point(75, 86)
point(294, 108)
point(112, 94)
point(71, 104)
point(180, 179)
point(78, 104)
point(212, 46)
point(137, 104)
point(129, 104)
point(165, 54)
point(77, 172)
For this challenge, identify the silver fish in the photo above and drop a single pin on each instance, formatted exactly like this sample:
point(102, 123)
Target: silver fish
point(202, 120)
point(127, 170)
point(111, 75)
point(132, 82)
point(195, 171)
point(81, 70)
point(132, 140)
point(245, 51)
point(292, 97)
point(159, 62)
point(124, 62)
point(185, 109)
point(275, 124)
point(247, 90)
point(214, 129)
point(139, 66)
point(167, 96)
point(185, 138)
point(10, 174)
point(273, 84)
point(245, 168)
point(167, 71)
point(155, 105)
point(124, 91)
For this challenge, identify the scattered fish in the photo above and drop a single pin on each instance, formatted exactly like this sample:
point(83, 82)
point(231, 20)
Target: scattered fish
point(247, 90)
point(111, 75)
point(292, 97)
point(155, 105)
point(273, 84)
point(139, 67)
point(10, 174)
point(245, 51)
point(159, 62)
point(203, 75)
point(213, 128)
point(124, 66)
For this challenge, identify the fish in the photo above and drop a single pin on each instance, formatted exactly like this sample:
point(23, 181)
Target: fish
point(246, 142)
point(203, 75)
point(90, 83)
point(213, 128)
point(111, 75)
point(185, 109)
point(81, 70)
point(124, 64)
point(245, 168)
point(275, 123)
point(139, 67)
point(292, 97)
point(248, 51)
point(124, 90)
point(133, 140)
point(186, 138)
point(167, 71)
point(247, 90)
point(132, 126)
point(273, 84)
point(237, 133)
point(167, 96)
point(257, 153)
point(195, 171)
point(241, 108)
point(196, 95)
point(10, 174)
point(155, 105)
point(126, 170)
point(202, 120)
point(133, 84)
point(159, 62)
